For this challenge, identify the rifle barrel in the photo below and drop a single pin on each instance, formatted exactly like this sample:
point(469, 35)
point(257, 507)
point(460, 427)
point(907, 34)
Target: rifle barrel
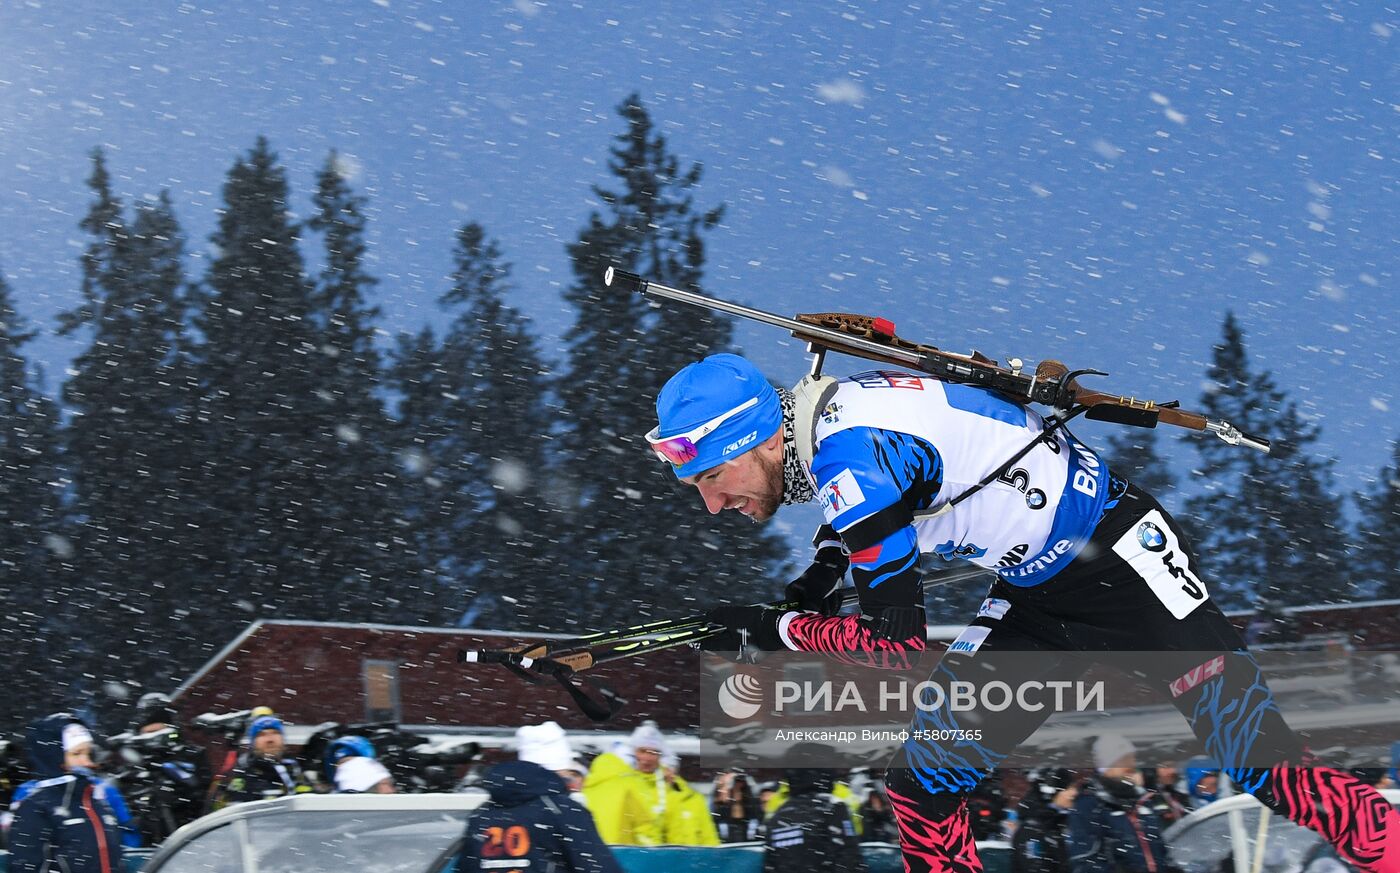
point(833, 339)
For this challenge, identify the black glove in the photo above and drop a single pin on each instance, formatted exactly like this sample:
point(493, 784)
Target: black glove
point(746, 627)
point(818, 589)
point(895, 624)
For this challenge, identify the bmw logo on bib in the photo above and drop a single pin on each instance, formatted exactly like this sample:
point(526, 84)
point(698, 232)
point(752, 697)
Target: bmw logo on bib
point(1151, 537)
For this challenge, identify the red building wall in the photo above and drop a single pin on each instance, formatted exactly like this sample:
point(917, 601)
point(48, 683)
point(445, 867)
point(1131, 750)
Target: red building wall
point(311, 672)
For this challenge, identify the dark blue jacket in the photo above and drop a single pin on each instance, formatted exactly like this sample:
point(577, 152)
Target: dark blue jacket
point(531, 824)
point(63, 821)
point(1111, 832)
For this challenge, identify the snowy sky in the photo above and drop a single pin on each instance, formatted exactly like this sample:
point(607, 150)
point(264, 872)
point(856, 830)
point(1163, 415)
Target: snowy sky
point(1097, 182)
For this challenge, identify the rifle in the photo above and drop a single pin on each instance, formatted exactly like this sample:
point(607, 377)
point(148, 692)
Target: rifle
point(862, 336)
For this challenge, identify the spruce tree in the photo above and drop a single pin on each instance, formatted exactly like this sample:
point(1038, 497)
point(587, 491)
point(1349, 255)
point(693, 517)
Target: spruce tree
point(1377, 560)
point(474, 421)
point(1267, 528)
point(39, 618)
point(418, 379)
point(352, 434)
point(638, 536)
point(127, 442)
point(273, 523)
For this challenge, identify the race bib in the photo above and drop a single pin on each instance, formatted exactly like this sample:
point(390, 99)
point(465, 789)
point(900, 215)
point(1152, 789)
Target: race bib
point(1153, 552)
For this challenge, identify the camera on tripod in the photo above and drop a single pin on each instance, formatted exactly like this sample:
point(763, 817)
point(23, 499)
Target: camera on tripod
point(232, 725)
point(134, 748)
point(162, 777)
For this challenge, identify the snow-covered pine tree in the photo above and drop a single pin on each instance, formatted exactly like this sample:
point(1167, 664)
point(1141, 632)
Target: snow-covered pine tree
point(38, 614)
point(1132, 452)
point(1377, 559)
point(267, 488)
point(639, 538)
point(1264, 525)
point(359, 507)
point(128, 444)
point(475, 437)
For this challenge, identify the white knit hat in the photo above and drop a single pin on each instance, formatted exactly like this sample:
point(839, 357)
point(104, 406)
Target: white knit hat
point(1109, 749)
point(75, 735)
point(359, 774)
point(546, 745)
point(647, 736)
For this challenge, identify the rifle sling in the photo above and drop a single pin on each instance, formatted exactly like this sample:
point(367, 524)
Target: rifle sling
point(875, 527)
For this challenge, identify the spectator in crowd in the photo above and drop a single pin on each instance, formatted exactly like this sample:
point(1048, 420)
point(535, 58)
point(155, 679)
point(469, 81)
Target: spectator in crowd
point(986, 808)
point(64, 819)
point(738, 814)
point(770, 796)
point(621, 804)
point(263, 770)
point(355, 769)
point(547, 745)
point(1164, 797)
point(841, 790)
point(1202, 782)
point(812, 831)
point(636, 800)
point(1041, 844)
point(363, 776)
point(877, 818)
point(1109, 830)
point(530, 822)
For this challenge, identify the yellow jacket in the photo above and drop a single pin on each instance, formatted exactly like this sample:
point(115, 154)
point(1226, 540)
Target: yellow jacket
point(686, 819)
point(632, 808)
point(617, 800)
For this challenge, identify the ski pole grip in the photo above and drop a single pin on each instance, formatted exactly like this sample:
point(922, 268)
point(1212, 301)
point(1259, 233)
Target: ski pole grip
point(624, 280)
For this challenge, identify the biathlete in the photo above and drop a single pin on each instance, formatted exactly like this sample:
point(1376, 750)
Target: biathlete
point(1085, 562)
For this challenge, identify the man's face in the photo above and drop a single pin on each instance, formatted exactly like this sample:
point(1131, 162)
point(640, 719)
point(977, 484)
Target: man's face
point(269, 744)
point(1126, 769)
point(573, 779)
point(647, 759)
point(751, 483)
point(1065, 797)
point(1125, 774)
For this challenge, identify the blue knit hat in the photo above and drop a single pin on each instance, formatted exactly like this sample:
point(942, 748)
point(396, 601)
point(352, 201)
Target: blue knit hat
point(264, 723)
point(703, 392)
point(349, 747)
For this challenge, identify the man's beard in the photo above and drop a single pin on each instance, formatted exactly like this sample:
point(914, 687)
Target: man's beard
point(772, 495)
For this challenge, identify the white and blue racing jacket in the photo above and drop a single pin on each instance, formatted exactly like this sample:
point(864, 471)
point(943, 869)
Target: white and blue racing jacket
point(889, 454)
point(888, 438)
